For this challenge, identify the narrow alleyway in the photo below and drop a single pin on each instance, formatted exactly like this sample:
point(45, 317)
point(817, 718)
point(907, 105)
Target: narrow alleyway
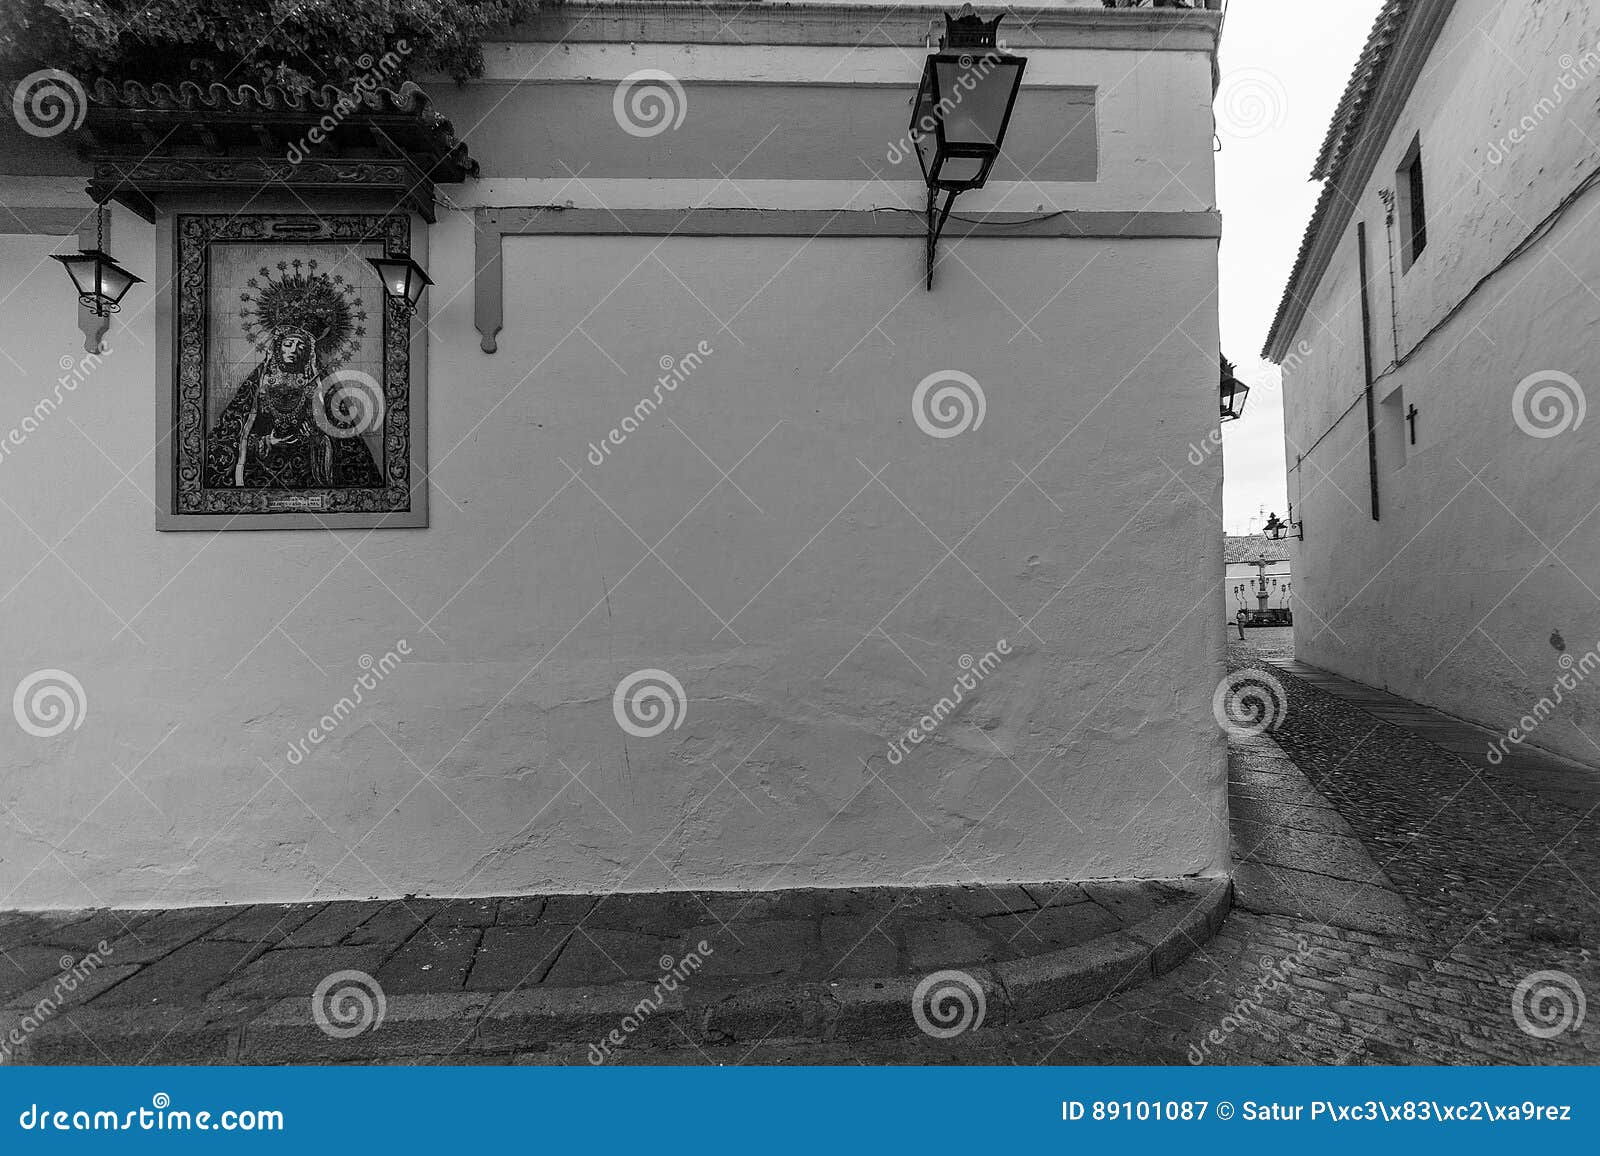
point(1390, 901)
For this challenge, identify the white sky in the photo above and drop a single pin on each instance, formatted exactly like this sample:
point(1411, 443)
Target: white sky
point(1284, 66)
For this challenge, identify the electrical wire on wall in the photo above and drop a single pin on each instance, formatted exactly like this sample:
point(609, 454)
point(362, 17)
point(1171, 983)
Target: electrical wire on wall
point(992, 224)
point(1537, 234)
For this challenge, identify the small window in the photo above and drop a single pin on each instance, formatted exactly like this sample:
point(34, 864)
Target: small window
point(1413, 209)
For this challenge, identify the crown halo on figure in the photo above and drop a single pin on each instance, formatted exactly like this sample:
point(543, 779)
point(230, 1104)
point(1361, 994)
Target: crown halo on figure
point(301, 296)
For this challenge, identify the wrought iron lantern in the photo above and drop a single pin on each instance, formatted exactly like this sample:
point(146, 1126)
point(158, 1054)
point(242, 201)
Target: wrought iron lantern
point(961, 112)
point(101, 283)
point(1277, 529)
point(1234, 393)
point(403, 280)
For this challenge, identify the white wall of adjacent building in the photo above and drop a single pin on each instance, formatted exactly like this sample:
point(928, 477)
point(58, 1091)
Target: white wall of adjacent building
point(1483, 565)
point(779, 535)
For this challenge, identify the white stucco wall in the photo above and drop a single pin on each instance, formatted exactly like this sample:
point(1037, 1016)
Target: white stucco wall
point(814, 604)
point(1485, 556)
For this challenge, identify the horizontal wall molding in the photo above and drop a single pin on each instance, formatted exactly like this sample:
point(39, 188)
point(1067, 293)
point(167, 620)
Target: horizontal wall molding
point(904, 25)
point(44, 221)
point(1032, 197)
point(493, 225)
point(838, 223)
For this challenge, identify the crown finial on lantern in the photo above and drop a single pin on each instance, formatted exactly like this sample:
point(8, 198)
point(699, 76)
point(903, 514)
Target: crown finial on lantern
point(966, 29)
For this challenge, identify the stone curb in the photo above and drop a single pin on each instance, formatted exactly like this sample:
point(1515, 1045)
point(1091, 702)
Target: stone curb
point(703, 1013)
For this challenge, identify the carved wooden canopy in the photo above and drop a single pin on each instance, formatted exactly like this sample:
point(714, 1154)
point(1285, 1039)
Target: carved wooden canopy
point(150, 142)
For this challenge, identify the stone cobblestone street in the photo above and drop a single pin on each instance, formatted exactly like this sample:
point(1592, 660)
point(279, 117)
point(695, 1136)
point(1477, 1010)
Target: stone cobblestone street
point(1480, 884)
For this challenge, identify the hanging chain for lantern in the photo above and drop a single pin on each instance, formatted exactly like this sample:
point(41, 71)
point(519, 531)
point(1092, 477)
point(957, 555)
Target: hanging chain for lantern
point(99, 280)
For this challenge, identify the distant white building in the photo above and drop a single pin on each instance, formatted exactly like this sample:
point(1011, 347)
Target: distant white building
point(1437, 338)
point(1248, 559)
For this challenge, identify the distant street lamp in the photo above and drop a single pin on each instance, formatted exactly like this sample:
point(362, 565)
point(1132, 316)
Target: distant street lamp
point(1278, 530)
point(1234, 393)
point(961, 112)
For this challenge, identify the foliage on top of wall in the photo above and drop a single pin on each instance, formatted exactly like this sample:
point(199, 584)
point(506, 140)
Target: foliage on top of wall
point(298, 44)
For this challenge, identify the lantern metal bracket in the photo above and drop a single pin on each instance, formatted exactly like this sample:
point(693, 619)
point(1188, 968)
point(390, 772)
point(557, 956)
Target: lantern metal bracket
point(937, 216)
point(1278, 529)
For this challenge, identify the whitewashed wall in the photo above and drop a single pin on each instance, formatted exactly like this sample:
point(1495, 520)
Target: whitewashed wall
point(815, 603)
point(1485, 558)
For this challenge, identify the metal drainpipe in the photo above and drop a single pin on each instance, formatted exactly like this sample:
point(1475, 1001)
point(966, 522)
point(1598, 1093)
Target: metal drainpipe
point(1366, 351)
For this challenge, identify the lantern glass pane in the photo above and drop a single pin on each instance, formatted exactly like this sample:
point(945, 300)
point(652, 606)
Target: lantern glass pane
point(976, 91)
point(403, 279)
point(959, 170)
point(81, 269)
point(925, 128)
point(114, 281)
point(1234, 393)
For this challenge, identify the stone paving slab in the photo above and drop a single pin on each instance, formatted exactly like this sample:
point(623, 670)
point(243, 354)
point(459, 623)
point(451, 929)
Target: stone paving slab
point(857, 946)
point(79, 930)
point(1322, 898)
point(289, 971)
point(599, 955)
point(184, 976)
point(24, 968)
point(59, 993)
point(264, 920)
point(1291, 816)
point(510, 957)
point(442, 957)
point(399, 920)
point(1342, 857)
point(488, 976)
point(1290, 863)
point(1056, 895)
point(332, 924)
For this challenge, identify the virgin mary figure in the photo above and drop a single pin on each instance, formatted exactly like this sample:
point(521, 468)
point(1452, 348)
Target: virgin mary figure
point(284, 428)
